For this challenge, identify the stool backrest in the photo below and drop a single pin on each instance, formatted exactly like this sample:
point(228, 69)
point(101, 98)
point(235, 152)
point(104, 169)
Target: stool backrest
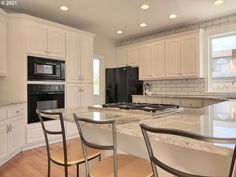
point(47, 132)
point(155, 162)
point(86, 143)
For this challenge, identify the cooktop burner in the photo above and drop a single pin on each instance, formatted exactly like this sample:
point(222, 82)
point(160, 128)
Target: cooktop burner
point(141, 106)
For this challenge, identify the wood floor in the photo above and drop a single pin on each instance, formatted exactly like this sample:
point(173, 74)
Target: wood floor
point(33, 163)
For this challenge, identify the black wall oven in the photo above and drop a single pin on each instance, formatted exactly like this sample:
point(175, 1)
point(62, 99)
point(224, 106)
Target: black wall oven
point(43, 97)
point(45, 69)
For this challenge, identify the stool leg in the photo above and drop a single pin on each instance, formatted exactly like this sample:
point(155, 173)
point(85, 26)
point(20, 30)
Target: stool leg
point(77, 169)
point(66, 171)
point(49, 168)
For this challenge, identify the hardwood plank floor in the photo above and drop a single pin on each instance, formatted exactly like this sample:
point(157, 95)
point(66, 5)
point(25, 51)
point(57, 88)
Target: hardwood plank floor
point(33, 163)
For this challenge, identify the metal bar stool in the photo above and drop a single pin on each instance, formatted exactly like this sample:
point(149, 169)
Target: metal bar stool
point(70, 153)
point(121, 165)
point(155, 162)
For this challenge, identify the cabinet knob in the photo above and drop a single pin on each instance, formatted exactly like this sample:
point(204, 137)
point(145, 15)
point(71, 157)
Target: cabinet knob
point(7, 129)
point(49, 51)
point(45, 51)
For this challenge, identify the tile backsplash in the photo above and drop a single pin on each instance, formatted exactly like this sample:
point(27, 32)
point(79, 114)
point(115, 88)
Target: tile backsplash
point(183, 87)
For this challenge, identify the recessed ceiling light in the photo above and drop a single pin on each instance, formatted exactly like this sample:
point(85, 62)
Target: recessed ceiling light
point(119, 32)
point(64, 8)
point(145, 6)
point(219, 2)
point(143, 24)
point(172, 16)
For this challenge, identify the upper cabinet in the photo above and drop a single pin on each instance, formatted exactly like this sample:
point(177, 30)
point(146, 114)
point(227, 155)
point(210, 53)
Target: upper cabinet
point(121, 57)
point(79, 57)
point(3, 44)
point(183, 57)
point(175, 57)
point(127, 56)
point(152, 61)
point(133, 56)
point(44, 40)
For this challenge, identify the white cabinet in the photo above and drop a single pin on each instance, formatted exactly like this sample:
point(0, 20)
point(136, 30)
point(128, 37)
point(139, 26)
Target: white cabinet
point(190, 55)
point(173, 57)
point(145, 61)
point(86, 58)
point(4, 140)
point(44, 40)
point(79, 95)
point(79, 57)
point(121, 57)
point(56, 42)
point(12, 131)
point(171, 101)
point(158, 60)
point(183, 57)
point(133, 56)
point(3, 44)
point(17, 134)
point(152, 61)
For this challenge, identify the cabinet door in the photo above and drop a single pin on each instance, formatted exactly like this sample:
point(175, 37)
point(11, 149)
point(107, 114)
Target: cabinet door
point(189, 55)
point(86, 95)
point(56, 43)
point(73, 95)
point(3, 138)
point(36, 38)
point(173, 57)
point(72, 57)
point(16, 134)
point(121, 57)
point(133, 56)
point(145, 58)
point(86, 69)
point(158, 60)
point(3, 44)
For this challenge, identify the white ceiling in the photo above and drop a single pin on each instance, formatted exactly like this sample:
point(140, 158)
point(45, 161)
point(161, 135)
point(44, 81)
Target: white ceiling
point(105, 17)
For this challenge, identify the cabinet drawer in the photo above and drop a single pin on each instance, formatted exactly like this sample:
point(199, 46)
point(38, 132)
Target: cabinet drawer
point(15, 111)
point(3, 115)
point(139, 99)
point(171, 101)
point(191, 103)
point(154, 100)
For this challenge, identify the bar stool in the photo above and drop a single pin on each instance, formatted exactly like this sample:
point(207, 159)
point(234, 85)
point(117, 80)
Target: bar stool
point(70, 153)
point(121, 165)
point(155, 162)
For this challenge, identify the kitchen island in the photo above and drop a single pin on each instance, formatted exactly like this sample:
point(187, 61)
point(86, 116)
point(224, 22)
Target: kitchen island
point(217, 120)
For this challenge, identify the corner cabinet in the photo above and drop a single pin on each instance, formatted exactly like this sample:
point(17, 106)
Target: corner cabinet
point(79, 58)
point(128, 56)
point(12, 131)
point(44, 40)
point(152, 61)
point(3, 44)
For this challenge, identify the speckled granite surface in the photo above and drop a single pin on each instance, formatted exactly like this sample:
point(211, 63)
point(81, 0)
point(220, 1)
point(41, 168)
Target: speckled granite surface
point(217, 120)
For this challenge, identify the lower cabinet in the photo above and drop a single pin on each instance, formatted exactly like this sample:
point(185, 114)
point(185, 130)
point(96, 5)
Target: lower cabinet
point(79, 95)
point(12, 132)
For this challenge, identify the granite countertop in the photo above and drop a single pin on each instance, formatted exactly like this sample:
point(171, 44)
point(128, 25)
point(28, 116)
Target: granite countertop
point(10, 102)
point(217, 120)
point(220, 98)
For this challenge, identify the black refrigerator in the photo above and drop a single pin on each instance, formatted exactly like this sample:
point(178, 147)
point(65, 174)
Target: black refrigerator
point(122, 83)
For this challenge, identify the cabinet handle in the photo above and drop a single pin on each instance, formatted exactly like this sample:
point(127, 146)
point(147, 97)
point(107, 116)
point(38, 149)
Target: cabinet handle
point(82, 89)
point(46, 51)
point(49, 52)
point(10, 128)
point(7, 129)
point(17, 112)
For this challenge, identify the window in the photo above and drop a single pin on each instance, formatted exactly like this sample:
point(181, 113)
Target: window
point(223, 63)
point(96, 77)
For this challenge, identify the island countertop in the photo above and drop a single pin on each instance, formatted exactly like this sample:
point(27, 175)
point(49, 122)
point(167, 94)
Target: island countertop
point(217, 120)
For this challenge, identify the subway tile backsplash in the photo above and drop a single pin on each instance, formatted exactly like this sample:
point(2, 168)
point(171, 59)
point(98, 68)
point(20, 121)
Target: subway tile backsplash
point(193, 87)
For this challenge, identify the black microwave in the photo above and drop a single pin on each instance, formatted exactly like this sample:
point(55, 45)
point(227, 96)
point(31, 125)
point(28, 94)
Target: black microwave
point(45, 69)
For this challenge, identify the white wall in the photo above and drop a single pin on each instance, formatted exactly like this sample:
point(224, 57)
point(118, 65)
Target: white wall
point(106, 47)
